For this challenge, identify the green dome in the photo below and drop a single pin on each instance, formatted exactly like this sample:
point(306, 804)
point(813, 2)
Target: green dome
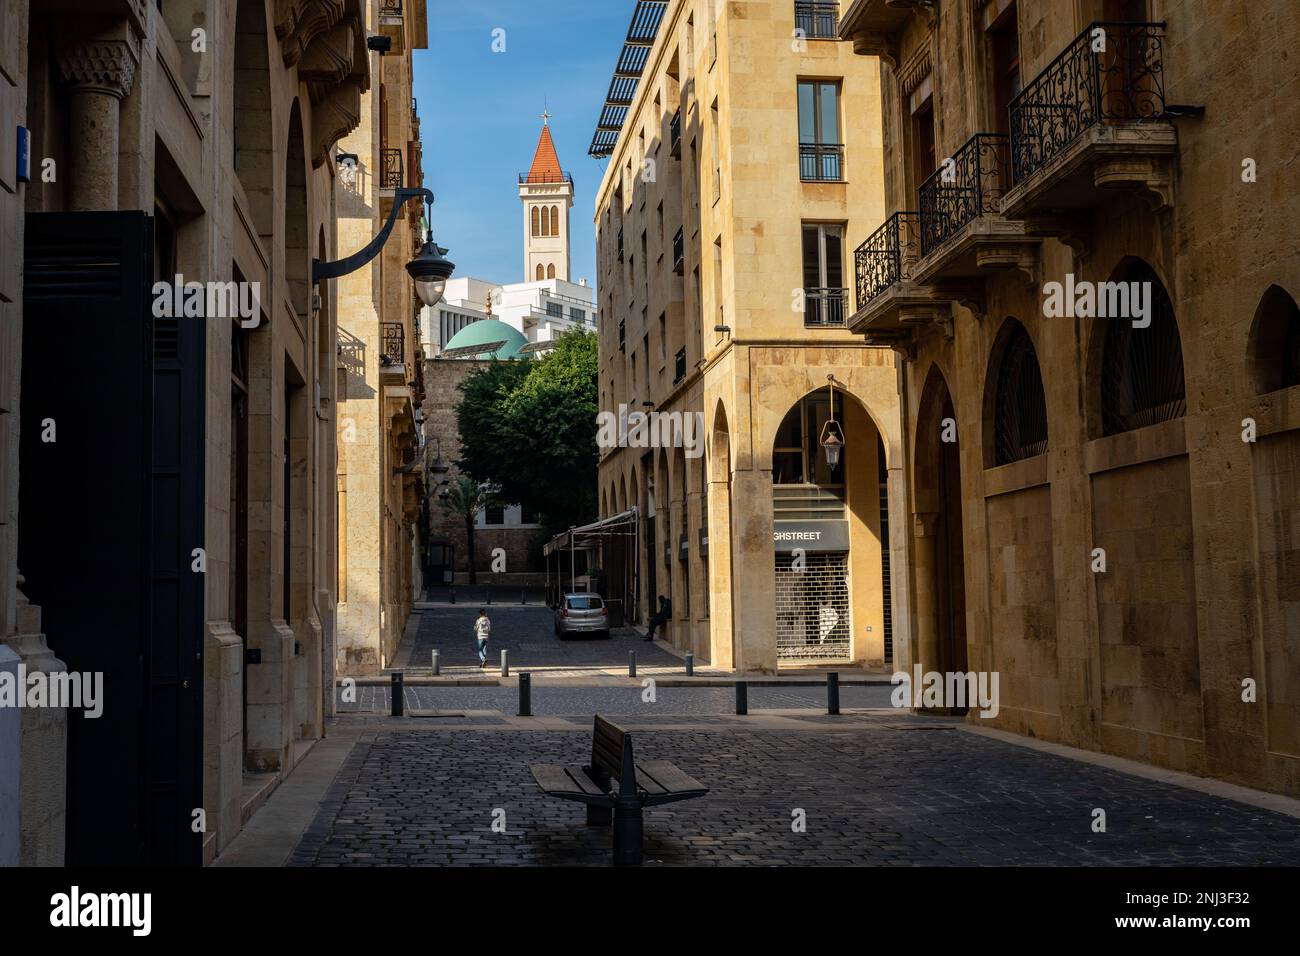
point(485, 332)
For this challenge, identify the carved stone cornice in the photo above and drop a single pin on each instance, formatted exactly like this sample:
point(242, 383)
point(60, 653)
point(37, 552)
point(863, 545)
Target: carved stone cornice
point(98, 66)
point(334, 116)
point(297, 23)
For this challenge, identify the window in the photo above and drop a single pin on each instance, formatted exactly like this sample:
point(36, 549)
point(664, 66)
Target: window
point(821, 152)
point(663, 338)
point(1004, 41)
point(577, 315)
point(537, 220)
point(546, 220)
point(1275, 342)
point(494, 515)
point(1020, 408)
point(823, 274)
point(555, 220)
point(817, 19)
point(924, 162)
point(541, 272)
point(555, 309)
point(550, 271)
point(1142, 369)
point(585, 602)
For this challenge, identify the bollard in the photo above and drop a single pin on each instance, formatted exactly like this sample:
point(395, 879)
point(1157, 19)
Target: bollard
point(832, 693)
point(690, 663)
point(435, 668)
point(399, 695)
point(631, 663)
point(505, 663)
point(523, 596)
point(487, 596)
point(525, 694)
point(742, 697)
point(453, 595)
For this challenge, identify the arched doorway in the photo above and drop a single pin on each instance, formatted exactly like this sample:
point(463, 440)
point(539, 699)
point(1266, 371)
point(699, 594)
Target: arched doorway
point(940, 598)
point(717, 548)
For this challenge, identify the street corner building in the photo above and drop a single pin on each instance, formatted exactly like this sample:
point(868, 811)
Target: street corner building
point(1101, 501)
point(177, 531)
point(748, 164)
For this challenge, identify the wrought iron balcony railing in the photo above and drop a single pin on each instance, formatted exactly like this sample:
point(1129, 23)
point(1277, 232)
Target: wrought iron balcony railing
point(1085, 86)
point(824, 308)
point(883, 259)
point(675, 134)
point(679, 366)
point(821, 162)
point(390, 175)
point(966, 186)
point(679, 251)
point(818, 19)
point(393, 345)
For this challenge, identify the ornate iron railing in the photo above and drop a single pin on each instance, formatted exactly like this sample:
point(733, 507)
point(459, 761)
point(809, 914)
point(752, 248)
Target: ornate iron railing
point(818, 19)
point(679, 366)
point(821, 162)
point(967, 185)
point(824, 308)
point(390, 175)
point(1110, 73)
point(393, 343)
point(886, 255)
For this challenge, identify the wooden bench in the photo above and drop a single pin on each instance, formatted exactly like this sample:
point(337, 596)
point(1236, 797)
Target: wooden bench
point(615, 786)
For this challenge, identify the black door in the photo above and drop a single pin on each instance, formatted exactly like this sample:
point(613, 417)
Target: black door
point(110, 511)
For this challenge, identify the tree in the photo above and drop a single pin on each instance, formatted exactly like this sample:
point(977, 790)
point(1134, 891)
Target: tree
point(529, 428)
point(464, 498)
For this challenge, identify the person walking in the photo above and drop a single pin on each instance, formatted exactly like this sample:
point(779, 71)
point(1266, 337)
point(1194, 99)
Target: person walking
point(663, 617)
point(482, 628)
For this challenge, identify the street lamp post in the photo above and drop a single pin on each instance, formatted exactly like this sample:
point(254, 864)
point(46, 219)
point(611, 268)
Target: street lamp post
point(429, 270)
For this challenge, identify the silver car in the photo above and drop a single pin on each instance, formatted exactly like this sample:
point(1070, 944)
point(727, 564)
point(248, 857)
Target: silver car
point(583, 613)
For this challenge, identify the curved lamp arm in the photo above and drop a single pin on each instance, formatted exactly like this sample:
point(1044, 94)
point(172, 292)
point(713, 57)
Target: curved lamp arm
point(341, 267)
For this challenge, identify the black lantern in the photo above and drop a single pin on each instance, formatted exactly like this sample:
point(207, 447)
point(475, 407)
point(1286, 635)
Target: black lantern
point(430, 271)
point(832, 437)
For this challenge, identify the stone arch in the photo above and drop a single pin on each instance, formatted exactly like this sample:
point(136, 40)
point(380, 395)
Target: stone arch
point(1135, 375)
point(1273, 348)
point(1015, 405)
point(939, 597)
point(297, 260)
point(252, 140)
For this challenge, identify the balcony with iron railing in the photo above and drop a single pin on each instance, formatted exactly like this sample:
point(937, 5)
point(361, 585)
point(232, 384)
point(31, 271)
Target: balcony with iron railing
point(824, 308)
point(817, 19)
point(391, 169)
point(821, 162)
point(1094, 118)
point(890, 305)
point(886, 257)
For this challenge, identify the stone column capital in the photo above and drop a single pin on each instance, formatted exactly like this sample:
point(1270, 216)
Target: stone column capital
point(98, 66)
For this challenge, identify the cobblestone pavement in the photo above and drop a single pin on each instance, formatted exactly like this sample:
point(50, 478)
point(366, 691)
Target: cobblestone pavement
point(898, 794)
point(528, 634)
point(568, 700)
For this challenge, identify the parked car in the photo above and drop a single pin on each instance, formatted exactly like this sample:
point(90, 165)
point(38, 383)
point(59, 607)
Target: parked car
point(584, 613)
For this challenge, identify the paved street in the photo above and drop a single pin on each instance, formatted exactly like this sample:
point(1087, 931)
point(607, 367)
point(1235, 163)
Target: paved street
point(898, 791)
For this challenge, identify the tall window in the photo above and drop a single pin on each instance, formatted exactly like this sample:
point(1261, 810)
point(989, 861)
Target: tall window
point(1004, 45)
point(823, 274)
point(924, 161)
point(537, 221)
point(1020, 411)
point(1142, 368)
point(550, 271)
point(541, 272)
point(821, 150)
point(1275, 342)
point(546, 220)
point(555, 220)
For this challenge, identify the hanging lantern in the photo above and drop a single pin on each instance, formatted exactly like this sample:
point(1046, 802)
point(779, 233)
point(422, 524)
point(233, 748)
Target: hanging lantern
point(832, 437)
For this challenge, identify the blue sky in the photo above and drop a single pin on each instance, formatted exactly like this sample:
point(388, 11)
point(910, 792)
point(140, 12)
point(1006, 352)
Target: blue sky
point(479, 119)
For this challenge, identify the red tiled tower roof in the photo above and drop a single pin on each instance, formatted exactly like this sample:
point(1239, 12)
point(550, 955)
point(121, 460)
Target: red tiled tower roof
point(546, 164)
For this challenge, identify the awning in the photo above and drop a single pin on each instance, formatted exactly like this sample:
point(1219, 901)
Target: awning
point(590, 535)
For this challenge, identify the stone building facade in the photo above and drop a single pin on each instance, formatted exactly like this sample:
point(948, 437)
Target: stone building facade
point(1101, 505)
point(748, 163)
point(380, 463)
point(177, 533)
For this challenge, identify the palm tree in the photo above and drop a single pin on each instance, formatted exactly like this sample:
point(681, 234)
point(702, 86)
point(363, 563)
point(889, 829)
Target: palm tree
point(465, 498)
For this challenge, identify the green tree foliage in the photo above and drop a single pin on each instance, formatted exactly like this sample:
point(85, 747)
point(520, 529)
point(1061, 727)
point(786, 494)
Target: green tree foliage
point(464, 498)
point(529, 429)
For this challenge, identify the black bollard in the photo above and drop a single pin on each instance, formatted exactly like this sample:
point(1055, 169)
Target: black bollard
point(525, 694)
point(832, 693)
point(453, 595)
point(487, 595)
point(399, 695)
point(631, 663)
point(523, 596)
point(742, 697)
point(690, 663)
point(436, 667)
